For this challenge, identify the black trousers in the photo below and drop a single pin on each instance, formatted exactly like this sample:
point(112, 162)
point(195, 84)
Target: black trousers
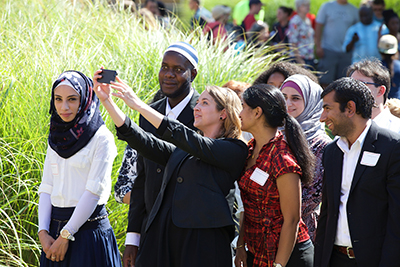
point(302, 256)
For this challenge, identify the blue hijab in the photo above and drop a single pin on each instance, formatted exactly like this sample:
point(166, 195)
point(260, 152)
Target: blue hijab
point(67, 138)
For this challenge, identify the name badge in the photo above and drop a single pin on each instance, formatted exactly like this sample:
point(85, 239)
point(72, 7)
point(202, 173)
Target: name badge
point(259, 176)
point(370, 159)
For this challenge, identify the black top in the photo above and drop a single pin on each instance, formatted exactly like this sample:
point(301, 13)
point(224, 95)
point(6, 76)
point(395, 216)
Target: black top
point(205, 171)
point(147, 184)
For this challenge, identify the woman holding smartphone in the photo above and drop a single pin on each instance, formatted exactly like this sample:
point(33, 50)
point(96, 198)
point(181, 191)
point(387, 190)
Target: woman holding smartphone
point(74, 229)
point(190, 223)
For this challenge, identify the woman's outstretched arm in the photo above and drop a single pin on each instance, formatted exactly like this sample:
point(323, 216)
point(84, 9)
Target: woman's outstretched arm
point(103, 92)
point(146, 144)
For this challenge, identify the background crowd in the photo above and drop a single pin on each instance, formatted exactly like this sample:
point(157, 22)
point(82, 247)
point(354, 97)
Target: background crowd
point(329, 41)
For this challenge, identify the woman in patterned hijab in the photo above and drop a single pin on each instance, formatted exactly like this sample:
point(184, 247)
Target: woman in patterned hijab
point(66, 138)
point(74, 229)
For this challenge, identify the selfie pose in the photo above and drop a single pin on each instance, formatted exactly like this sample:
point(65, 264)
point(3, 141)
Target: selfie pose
point(74, 229)
point(190, 223)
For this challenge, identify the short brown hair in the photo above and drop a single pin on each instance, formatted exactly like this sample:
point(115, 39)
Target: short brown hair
point(374, 69)
point(237, 87)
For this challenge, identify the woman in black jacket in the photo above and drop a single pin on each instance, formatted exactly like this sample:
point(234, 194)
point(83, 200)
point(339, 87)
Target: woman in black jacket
point(191, 221)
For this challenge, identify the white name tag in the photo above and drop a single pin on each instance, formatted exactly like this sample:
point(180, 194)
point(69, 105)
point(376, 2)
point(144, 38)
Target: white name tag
point(370, 159)
point(259, 176)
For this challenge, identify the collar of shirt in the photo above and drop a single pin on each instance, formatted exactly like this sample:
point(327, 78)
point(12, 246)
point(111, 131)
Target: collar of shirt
point(350, 159)
point(343, 143)
point(176, 111)
point(383, 118)
point(252, 143)
point(387, 120)
point(382, 115)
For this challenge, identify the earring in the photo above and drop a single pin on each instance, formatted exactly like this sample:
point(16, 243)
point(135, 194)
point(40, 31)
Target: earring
point(220, 118)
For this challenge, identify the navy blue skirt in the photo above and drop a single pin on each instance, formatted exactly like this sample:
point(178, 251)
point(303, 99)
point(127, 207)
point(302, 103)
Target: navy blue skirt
point(94, 245)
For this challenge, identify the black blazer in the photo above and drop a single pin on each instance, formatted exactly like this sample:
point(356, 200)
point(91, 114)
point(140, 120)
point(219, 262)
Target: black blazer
point(148, 182)
point(205, 170)
point(373, 207)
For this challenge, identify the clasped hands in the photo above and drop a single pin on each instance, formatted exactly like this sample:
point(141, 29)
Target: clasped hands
point(124, 92)
point(54, 249)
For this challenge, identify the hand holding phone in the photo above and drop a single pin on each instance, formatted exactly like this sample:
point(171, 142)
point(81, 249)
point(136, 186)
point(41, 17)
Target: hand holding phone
point(107, 76)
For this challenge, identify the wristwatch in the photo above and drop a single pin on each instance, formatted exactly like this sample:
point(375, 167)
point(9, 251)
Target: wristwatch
point(277, 264)
point(67, 235)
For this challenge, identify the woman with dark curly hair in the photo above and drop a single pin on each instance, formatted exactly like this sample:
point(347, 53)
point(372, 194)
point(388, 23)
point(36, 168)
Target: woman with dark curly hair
point(280, 71)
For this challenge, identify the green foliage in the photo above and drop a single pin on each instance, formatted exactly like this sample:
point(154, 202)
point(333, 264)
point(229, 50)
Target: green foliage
point(39, 39)
point(20, 164)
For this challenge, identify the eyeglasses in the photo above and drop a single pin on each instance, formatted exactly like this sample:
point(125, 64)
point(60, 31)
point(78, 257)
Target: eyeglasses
point(375, 84)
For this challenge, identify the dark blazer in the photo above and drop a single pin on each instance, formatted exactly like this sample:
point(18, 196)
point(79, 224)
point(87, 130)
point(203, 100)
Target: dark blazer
point(373, 207)
point(205, 170)
point(148, 183)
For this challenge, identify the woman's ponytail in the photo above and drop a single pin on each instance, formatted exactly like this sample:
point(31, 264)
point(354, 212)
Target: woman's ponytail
point(298, 144)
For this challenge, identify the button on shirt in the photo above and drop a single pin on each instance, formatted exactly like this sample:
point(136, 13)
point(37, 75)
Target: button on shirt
point(90, 168)
point(350, 159)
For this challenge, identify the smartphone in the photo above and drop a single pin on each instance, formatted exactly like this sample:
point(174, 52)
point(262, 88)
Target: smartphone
point(107, 76)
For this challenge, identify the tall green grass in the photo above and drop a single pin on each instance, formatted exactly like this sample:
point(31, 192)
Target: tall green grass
point(18, 168)
point(39, 39)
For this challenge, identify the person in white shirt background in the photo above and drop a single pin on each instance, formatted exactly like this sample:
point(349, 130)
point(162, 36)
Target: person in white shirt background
point(377, 78)
point(74, 229)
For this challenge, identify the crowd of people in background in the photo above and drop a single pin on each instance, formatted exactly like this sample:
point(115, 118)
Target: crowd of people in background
point(259, 155)
point(338, 35)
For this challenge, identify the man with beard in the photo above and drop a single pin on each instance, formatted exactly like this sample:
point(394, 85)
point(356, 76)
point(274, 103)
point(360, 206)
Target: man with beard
point(360, 213)
point(177, 72)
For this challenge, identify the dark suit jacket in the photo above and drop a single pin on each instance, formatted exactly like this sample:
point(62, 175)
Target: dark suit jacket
point(205, 170)
point(148, 183)
point(373, 207)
